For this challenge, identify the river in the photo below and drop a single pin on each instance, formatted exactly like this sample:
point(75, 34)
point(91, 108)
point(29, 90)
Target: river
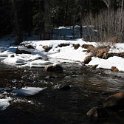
point(67, 98)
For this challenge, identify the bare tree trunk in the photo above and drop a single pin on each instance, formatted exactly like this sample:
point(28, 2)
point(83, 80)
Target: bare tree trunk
point(121, 17)
point(18, 32)
point(44, 18)
point(108, 2)
point(66, 12)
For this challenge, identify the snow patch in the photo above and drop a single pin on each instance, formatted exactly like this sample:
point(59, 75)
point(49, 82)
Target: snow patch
point(27, 91)
point(4, 103)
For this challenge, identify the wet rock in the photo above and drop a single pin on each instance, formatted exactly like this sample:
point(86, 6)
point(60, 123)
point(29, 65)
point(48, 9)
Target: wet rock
point(54, 68)
point(114, 69)
point(112, 104)
point(87, 59)
point(115, 102)
point(12, 56)
point(65, 87)
point(76, 46)
point(97, 112)
point(47, 48)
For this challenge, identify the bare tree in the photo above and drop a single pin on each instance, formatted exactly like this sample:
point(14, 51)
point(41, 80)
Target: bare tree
point(18, 32)
point(107, 2)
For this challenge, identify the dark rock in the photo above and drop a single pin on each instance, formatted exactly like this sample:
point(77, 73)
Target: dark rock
point(29, 47)
point(63, 44)
point(115, 102)
point(97, 112)
point(87, 59)
point(47, 48)
point(76, 46)
point(121, 54)
point(65, 87)
point(12, 56)
point(90, 48)
point(112, 104)
point(54, 68)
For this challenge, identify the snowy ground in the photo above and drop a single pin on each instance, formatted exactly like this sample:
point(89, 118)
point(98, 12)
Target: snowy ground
point(57, 54)
point(61, 51)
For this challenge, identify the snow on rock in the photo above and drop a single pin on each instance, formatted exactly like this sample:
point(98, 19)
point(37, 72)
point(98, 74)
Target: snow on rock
point(108, 63)
point(69, 53)
point(15, 60)
point(117, 48)
point(27, 91)
point(39, 57)
point(4, 103)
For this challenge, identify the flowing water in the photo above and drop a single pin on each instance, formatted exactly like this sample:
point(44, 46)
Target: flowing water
point(66, 99)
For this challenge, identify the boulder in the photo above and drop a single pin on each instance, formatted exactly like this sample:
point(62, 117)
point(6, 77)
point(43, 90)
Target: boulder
point(90, 48)
point(87, 59)
point(12, 55)
point(100, 52)
point(76, 46)
point(47, 48)
point(63, 44)
point(114, 69)
point(54, 68)
point(113, 103)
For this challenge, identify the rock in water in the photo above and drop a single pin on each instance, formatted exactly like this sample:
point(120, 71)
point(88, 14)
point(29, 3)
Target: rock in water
point(54, 68)
point(112, 104)
point(97, 112)
point(115, 102)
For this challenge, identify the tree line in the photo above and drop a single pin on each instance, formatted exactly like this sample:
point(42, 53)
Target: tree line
point(27, 17)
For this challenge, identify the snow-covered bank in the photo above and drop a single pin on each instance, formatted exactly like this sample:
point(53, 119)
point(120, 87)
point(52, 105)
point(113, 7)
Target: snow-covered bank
point(41, 53)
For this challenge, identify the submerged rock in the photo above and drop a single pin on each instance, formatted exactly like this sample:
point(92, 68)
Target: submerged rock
point(97, 112)
point(115, 102)
point(112, 104)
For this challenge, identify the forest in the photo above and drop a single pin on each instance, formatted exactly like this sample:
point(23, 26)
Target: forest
point(23, 18)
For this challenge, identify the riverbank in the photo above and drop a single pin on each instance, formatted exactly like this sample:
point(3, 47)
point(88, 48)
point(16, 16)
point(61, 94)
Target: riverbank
point(41, 53)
